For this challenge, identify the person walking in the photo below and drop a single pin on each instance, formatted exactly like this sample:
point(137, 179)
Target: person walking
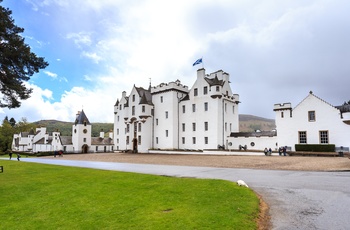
point(18, 156)
point(10, 154)
point(285, 151)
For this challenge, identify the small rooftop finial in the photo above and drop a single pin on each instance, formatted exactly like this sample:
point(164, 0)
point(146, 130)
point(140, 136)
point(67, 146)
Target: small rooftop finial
point(310, 92)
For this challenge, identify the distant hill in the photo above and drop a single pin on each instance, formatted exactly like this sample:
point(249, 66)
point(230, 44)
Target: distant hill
point(66, 127)
point(250, 123)
point(247, 123)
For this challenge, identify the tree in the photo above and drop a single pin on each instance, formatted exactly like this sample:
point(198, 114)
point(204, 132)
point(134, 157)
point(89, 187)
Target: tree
point(12, 122)
point(17, 62)
point(6, 135)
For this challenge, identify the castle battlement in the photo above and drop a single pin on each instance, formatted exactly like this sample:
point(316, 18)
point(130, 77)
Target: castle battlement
point(283, 106)
point(169, 86)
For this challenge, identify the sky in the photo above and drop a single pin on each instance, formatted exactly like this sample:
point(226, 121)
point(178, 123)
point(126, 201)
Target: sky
point(275, 51)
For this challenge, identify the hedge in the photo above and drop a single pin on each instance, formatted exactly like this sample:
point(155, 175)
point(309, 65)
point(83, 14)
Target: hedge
point(315, 147)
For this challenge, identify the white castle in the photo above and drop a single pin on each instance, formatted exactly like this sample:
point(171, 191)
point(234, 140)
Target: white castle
point(172, 116)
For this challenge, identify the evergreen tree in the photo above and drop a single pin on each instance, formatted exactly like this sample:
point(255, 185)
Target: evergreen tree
point(17, 62)
point(12, 122)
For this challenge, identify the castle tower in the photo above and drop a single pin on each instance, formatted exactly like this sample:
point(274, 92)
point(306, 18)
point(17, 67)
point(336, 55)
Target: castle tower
point(81, 133)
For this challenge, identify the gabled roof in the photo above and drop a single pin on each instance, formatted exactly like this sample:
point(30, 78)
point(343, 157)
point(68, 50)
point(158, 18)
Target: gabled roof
point(214, 81)
point(24, 134)
point(117, 103)
point(146, 97)
point(42, 141)
point(81, 119)
point(344, 108)
point(101, 141)
point(313, 95)
point(66, 140)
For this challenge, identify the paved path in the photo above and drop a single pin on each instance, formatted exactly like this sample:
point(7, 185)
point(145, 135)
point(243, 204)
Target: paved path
point(297, 199)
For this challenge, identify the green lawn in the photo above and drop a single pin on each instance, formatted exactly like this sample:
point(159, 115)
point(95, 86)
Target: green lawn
point(38, 196)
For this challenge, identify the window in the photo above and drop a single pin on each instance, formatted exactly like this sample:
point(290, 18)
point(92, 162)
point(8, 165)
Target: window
point(117, 118)
point(205, 106)
point(84, 140)
point(324, 137)
point(166, 114)
point(166, 133)
point(205, 126)
point(183, 127)
point(139, 139)
point(217, 88)
point(127, 140)
point(193, 107)
point(302, 137)
point(312, 116)
point(117, 131)
point(195, 92)
point(157, 121)
point(143, 108)
point(225, 126)
point(205, 90)
point(156, 140)
point(206, 140)
point(193, 140)
point(133, 97)
point(127, 128)
point(183, 109)
point(183, 140)
point(282, 114)
point(133, 110)
point(161, 99)
point(233, 109)
point(139, 124)
point(96, 148)
point(225, 107)
point(193, 126)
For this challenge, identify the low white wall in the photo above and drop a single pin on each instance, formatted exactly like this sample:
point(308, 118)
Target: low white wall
point(253, 143)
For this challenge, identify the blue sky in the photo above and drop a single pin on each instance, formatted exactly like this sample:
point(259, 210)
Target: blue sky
point(275, 51)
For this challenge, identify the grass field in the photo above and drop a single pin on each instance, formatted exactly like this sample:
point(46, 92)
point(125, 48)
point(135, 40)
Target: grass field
point(38, 196)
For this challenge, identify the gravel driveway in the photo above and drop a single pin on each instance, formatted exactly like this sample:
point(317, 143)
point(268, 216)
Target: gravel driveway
point(224, 161)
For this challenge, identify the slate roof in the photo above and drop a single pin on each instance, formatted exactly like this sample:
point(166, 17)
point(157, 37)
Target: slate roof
point(343, 108)
point(214, 81)
point(66, 140)
point(81, 119)
point(42, 141)
point(101, 141)
point(146, 97)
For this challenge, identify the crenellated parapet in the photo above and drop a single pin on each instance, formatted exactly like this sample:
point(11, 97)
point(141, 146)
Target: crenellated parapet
point(283, 106)
point(163, 87)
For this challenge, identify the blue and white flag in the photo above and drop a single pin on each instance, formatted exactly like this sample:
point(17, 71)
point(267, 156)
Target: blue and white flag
point(197, 62)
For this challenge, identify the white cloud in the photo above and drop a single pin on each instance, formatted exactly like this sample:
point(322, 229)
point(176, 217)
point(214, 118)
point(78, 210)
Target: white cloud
point(80, 38)
point(50, 74)
point(93, 56)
